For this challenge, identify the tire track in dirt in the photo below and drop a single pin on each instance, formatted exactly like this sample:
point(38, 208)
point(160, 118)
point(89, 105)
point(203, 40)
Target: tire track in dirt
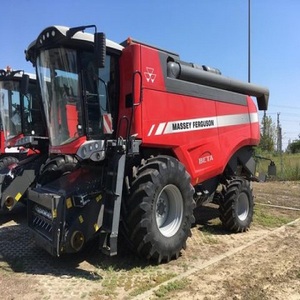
point(200, 265)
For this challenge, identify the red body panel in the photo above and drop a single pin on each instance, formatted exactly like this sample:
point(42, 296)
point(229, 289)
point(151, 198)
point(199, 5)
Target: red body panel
point(129, 63)
point(202, 133)
point(72, 119)
point(2, 142)
point(70, 148)
point(11, 142)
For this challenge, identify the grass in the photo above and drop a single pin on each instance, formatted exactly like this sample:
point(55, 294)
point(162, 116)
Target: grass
point(287, 166)
point(209, 231)
point(152, 281)
point(115, 277)
point(135, 281)
point(265, 217)
point(171, 287)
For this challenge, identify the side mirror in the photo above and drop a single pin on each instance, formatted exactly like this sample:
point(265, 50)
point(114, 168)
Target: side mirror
point(100, 49)
point(24, 84)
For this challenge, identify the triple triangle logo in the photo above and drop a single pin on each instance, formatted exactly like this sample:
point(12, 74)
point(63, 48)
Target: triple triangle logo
point(149, 74)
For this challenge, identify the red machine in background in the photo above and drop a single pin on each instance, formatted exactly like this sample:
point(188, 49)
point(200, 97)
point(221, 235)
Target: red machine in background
point(137, 138)
point(24, 142)
point(10, 107)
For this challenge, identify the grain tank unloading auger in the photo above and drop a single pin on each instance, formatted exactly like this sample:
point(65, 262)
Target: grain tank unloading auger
point(137, 138)
point(210, 77)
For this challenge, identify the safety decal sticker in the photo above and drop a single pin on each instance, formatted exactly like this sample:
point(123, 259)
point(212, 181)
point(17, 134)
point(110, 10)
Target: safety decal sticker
point(107, 124)
point(18, 196)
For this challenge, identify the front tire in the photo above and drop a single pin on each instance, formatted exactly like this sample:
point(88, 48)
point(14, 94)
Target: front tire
point(160, 209)
point(236, 209)
point(56, 167)
point(7, 161)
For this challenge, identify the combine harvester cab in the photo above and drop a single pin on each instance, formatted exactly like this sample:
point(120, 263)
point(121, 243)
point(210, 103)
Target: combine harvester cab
point(138, 138)
point(24, 133)
point(9, 133)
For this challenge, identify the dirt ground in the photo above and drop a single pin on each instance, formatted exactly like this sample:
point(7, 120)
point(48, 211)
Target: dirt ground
point(262, 263)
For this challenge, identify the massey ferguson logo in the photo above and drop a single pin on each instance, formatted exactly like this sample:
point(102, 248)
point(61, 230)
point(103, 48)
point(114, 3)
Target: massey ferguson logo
point(149, 74)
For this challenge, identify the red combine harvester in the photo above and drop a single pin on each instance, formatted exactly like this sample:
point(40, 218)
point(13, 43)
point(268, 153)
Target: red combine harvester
point(137, 139)
point(24, 134)
point(10, 98)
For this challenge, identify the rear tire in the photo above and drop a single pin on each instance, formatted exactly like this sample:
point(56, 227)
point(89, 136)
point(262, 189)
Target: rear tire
point(236, 209)
point(160, 209)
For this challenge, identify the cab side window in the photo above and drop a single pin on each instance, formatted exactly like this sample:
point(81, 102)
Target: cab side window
point(100, 90)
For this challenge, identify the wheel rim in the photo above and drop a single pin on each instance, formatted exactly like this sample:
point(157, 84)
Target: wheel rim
point(169, 210)
point(243, 207)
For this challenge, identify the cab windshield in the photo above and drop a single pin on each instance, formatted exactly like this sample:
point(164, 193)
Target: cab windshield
point(20, 114)
point(74, 94)
point(58, 79)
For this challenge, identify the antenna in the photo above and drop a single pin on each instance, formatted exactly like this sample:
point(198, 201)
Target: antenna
point(249, 40)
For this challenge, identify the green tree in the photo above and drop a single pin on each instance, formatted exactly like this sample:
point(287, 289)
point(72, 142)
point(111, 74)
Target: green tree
point(294, 147)
point(267, 134)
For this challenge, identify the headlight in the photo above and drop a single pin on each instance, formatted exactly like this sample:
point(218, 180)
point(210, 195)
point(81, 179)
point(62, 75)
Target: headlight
point(93, 150)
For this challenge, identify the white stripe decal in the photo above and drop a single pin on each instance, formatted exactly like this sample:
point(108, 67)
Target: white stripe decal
point(231, 120)
point(203, 123)
point(151, 129)
point(254, 117)
point(160, 128)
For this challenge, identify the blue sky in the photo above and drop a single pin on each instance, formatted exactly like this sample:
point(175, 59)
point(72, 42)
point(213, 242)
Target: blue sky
point(211, 32)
